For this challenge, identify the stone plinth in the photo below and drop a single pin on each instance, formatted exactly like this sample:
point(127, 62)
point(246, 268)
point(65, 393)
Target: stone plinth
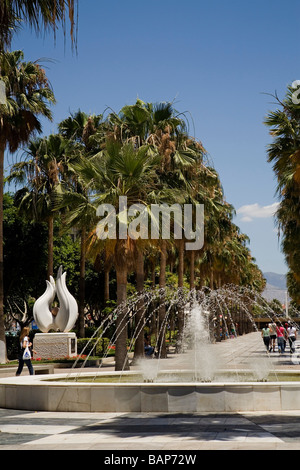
point(55, 345)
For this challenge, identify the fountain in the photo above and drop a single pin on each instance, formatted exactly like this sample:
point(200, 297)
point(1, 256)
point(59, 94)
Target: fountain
point(198, 381)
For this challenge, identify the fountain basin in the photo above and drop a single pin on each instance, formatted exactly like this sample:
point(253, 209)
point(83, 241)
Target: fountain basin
point(179, 376)
point(37, 393)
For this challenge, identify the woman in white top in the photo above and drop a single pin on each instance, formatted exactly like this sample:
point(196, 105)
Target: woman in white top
point(292, 336)
point(24, 342)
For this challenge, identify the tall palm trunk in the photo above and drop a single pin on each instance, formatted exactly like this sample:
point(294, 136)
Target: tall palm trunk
point(106, 285)
point(121, 358)
point(211, 277)
point(162, 308)
point(139, 317)
point(3, 355)
point(153, 274)
point(82, 285)
point(106, 277)
point(192, 270)
point(180, 319)
point(50, 246)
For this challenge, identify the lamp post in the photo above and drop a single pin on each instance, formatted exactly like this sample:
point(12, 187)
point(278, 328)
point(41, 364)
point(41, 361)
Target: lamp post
point(286, 304)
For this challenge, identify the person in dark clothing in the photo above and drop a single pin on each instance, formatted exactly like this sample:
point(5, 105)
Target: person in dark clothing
point(149, 350)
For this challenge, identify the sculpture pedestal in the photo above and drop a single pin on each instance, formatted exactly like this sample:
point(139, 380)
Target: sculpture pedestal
point(55, 345)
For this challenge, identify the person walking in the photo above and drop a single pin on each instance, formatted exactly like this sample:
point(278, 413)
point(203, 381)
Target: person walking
point(280, 331)
point(25, 345)
point(292, 336)
point(265, 333)
point(273, 335)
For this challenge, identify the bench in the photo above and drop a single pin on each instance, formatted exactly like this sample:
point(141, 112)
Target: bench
point(43, 369)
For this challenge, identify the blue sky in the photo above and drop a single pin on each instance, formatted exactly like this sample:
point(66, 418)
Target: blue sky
point(217, 60)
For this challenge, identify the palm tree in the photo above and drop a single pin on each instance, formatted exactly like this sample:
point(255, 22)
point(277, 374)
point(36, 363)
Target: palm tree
point(161, 343)
point(139, 317)
point(41, 15)
point(18, 116)
point(119, 170)
point(284, 154)
point(28, 96)
point(77, 212)
point(164, 128)
point(84, 131)
point(41, 171)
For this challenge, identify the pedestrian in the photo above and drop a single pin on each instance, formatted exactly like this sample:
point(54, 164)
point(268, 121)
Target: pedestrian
point(25, 345)
point(265, 333)
point(149, 350)
point(292, 336)
point(273, 335)
point(280, 331)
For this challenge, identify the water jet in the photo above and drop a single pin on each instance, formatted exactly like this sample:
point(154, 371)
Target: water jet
point(198, 380)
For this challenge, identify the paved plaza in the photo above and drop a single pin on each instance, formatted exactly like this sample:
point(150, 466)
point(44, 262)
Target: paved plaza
point(162, 432)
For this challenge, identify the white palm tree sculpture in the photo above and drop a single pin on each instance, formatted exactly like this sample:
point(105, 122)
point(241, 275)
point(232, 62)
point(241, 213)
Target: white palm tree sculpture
point(62, 318)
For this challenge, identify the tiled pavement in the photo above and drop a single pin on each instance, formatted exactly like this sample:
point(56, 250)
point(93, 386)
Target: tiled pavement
point(21, 430)
point(159, 432)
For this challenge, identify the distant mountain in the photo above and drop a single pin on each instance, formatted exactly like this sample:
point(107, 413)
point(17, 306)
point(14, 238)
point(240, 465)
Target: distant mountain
point(276, 280)
point(276, 287)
